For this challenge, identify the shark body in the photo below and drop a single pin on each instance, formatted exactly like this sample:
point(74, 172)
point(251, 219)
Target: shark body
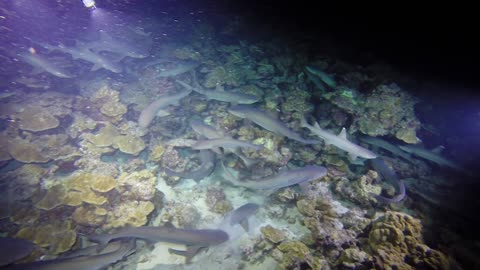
point(41, 64)
point(226, 96)
point(268, 122)
point(148, 114)
point(434, 156)
point(340, 141)
point(95, 262)
point(282, 179)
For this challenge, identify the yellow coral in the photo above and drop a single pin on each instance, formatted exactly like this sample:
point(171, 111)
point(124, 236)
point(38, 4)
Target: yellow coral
point(396, 236)
point(57, 235)
point(408, 135)
point(35, 118)
point(104, 137)
point(109, 102)
point(55, 196)
point(129, 144)
point(88, 216)
point(26, 152)
point(157, 153)
point(133, 213)
point(103, 183)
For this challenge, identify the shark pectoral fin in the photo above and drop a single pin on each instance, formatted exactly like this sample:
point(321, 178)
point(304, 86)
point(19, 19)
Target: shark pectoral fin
point(217, 150)
point(244, 224)
point(438, 149)
point(352, 156)
point(343, 134)
point(188, 254)
point(163, 113)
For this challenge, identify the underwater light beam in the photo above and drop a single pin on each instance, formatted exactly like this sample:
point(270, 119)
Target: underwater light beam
point(89, 4)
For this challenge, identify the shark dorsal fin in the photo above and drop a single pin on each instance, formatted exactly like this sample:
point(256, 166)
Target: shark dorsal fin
point(315, 124)
point(244, 224)
point(219, 88)
point(169, 224)
point(343, 134)
point(438, 149)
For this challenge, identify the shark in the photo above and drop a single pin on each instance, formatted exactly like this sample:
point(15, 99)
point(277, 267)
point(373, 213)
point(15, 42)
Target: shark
point(94, 262)
point(194, 239)
point(14, 249)
point(340, 141)
point(224, 142)
point(209, 132)
point(120, 47)
point(81, 51)
point(387, 146)
point(283, 179)
point(267, 121)
point(98, 61)
point(148, 114)
point(324, 77)
point(434, 156)
point(390, 175)
point(226, 96)
point(42, 64)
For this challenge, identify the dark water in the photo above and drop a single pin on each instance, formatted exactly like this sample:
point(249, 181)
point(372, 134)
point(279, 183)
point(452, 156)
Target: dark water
point(94, 107)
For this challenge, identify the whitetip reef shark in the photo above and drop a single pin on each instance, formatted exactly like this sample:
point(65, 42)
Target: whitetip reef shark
point(340, 141)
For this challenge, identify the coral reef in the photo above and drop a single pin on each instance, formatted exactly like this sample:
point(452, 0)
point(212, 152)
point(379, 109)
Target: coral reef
point(396, 242)
point(57, 236)
point(108, 102)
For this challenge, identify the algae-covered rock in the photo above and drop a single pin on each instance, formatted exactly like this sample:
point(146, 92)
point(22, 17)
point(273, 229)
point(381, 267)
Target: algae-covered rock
point(395, 237)
point(157, 153)
point(222, 75)
point(307, 207)
point(273, 235)
point(353, 258)
point(223, 207)
point(293, 253)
